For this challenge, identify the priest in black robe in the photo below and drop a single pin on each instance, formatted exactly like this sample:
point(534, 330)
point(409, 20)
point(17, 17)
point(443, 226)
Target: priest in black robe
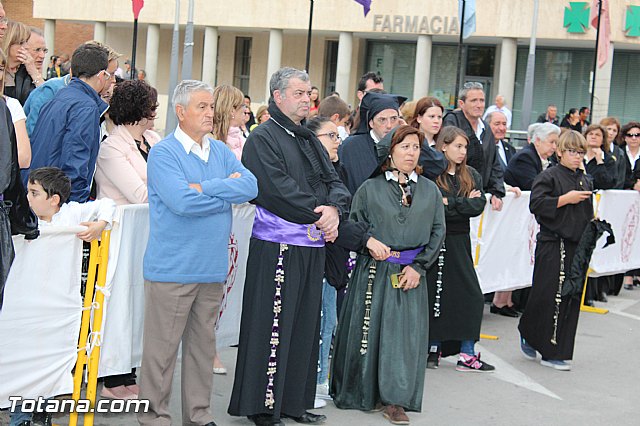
point(299, 206)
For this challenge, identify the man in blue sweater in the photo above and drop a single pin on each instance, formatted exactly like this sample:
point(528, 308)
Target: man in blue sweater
point(192, 182)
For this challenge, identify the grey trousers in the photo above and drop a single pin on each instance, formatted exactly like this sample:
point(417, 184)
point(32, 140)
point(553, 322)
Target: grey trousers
point(174, 313)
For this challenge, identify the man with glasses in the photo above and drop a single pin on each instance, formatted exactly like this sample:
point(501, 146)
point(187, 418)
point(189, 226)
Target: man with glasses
point(38, 50)
point(67, 133)
point(481, 152)
point(359, 152)
point(3, 21)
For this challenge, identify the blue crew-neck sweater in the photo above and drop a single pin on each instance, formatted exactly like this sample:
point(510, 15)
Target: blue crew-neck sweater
point(188, 230)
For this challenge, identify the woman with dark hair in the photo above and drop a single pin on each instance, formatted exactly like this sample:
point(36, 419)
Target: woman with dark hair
point(456, 302)
point(598, 161)
point(614, 136)
point(121, 167)
point(315, 101)
point(428, 118)
point(381, 342)
point(631, 149)
point(572, 120)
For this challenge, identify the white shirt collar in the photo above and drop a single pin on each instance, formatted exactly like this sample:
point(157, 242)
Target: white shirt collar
point(390, 176)
point(480, 129)
point(632, 159)
point(190, 145)
point(374, 136)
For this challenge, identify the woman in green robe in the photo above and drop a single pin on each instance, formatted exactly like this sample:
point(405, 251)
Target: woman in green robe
point(381, 341)
point(456, 301)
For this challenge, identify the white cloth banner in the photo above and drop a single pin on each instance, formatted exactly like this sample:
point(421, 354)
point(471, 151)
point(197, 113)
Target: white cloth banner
point(507, 245)
point(228, 323)
point(40, 319)
point(123, 318)
point(622, 210)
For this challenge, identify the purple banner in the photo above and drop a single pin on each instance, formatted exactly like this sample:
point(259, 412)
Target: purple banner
point(366, 5)
point(269, 227)
point(404, 257)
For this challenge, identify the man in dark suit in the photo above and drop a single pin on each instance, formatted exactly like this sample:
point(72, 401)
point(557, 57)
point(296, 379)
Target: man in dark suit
point(533, 158)
point(481, 152)
point(497, 121)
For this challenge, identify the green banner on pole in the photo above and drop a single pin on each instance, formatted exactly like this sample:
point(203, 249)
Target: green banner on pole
point(632, 21)
point(576, 17)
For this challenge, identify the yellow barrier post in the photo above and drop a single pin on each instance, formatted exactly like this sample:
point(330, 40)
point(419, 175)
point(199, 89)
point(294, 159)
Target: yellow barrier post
point(84, 330)
point(476, 260)
point(583, 307)
point(96, 329)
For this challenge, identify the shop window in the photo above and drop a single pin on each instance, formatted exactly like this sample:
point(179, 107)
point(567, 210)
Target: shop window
point(242, 64)
point(395, 62)
point(624, 95)
point(330, 67)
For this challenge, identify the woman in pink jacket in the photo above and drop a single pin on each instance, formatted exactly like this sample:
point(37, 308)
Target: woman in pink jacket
point(228, 116)
point(121, 168)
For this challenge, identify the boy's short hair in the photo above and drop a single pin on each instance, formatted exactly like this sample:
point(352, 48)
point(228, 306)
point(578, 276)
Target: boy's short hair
point(53, 181)
point(572, 140)
point(333, 105)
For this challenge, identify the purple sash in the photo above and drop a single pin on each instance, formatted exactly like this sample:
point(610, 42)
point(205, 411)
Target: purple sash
point(404, 257)
point(1, 197)
point(269, 227)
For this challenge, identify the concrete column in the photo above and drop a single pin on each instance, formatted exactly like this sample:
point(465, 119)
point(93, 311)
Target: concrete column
point(210, 55)
point(49, 40)
point(602, 89)
point(100, 32)
point(423, 67)
point(507, 72)
point(343, 66)
point(275, 56)
point(151, 55)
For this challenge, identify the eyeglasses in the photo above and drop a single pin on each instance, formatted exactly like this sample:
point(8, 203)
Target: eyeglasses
point(107, 74)
point(575, 153)
point(4, 21)
point(384, 120)
point(332, 135)
point(633, 135)
point(247, 113)
point(41, 50)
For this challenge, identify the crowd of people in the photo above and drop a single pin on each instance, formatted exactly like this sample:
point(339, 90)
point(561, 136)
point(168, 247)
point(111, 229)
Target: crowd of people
point(361, 226)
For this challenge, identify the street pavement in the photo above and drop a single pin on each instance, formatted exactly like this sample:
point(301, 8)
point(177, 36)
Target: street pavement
point(601, 389)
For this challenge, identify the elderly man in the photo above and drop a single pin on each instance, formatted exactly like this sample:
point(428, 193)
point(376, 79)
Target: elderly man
point(3, 21)
point(551, 116)
point(533, 158)
point(37, 47)
point(481, 152)
point(499, 106)
point(299, 206)
point(192, 181)
point(498, 123)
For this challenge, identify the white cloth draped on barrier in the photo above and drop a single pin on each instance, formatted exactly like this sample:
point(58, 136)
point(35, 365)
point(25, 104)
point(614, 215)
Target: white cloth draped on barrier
point(40, 319)
point(123, 318)
point(228, 323)
point(622, 210)
point(507, 245)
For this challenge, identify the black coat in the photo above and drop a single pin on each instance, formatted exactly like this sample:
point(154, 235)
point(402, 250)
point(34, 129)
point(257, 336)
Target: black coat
point(523, 168)
point(542, 118)
point(24, 86)
point(631, 174)
point(481, 155)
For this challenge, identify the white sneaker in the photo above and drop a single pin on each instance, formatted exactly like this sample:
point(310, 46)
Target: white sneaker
point(319, 403)
point(322, 391)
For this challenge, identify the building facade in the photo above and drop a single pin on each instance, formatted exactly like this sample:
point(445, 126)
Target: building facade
point(411, 43)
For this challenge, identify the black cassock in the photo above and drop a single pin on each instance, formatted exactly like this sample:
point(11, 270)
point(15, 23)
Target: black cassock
point(294, 177)
point(539, 325)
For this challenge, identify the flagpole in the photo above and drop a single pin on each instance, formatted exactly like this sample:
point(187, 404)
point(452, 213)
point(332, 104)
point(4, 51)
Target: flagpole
point(171, 121)
point(133, 50)
point(595, 62)
point(306, 66)
point(464, 6)
point(527, 98)
point(187, 54)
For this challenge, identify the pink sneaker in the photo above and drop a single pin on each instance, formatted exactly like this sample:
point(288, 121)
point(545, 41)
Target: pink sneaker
point(473, 363)
point(119, 392)
point(134, 389)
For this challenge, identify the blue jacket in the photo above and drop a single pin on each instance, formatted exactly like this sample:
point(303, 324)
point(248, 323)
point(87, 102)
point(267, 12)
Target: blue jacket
point(40, 97)
point(67, 135)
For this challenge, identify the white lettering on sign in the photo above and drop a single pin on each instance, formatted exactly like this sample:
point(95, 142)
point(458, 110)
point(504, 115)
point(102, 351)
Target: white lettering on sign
point(416, 24)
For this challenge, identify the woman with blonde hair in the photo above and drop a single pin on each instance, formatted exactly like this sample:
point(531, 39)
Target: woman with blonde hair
point(22, 74)
point(612, 126)
point(228, 116)
point(18, 117)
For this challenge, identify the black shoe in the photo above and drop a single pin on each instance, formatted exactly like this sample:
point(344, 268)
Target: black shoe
point(211, 424)
point(265, 420)
point(25, 423)
point(589, 303)
point(628, 286)
point(41, 419)
point(505, 311)
point(307, 418)
point(433, 361)
point(602, 297)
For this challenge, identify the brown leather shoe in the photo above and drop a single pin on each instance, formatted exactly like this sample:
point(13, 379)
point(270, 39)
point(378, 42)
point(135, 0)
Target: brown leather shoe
point(396, 415)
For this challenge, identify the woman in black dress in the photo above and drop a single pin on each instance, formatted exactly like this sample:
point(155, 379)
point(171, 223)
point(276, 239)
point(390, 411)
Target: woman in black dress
point(456, 302)
point(561, 202)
